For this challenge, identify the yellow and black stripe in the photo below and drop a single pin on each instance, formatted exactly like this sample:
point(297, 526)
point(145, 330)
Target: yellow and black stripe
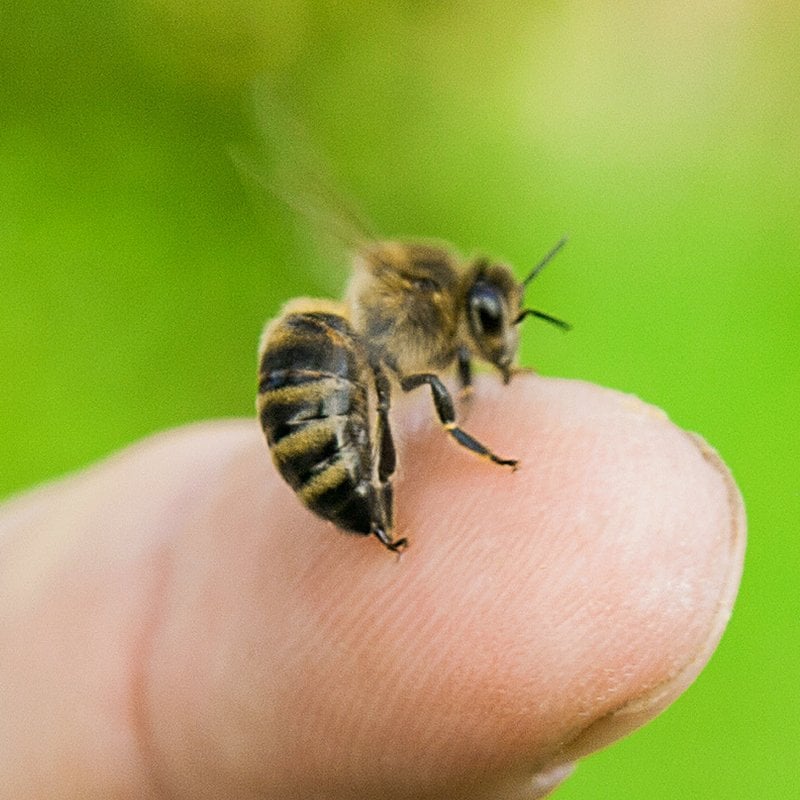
point(313, 407)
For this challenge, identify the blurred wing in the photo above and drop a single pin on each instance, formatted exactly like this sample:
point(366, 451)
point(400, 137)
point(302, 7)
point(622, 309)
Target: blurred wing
point(282, 164)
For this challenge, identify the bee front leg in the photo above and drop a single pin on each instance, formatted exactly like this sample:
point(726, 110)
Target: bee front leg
point(447, 415)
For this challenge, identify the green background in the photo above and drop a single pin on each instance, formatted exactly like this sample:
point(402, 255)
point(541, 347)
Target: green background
point(136, 269)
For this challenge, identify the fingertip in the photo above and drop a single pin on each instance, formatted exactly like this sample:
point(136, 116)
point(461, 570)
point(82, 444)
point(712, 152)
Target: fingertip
point(613, 554)
point(535, 616)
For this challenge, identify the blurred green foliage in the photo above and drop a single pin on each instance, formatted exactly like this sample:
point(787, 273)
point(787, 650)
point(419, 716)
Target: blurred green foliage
point(136, 272)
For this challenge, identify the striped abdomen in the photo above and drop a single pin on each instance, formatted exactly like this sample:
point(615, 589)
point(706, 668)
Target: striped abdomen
point(313, 407)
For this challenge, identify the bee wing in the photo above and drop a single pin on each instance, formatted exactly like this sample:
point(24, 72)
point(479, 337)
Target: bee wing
point(282, 164)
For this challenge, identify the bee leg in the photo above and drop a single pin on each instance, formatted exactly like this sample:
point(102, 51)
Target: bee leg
point(447, 415)
point(387, 462)
point(395, 545)
point(464, 375)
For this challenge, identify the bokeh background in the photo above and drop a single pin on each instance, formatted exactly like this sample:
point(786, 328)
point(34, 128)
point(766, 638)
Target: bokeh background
point(136, 267)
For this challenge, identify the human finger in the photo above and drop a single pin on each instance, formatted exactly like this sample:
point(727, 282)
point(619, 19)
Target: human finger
point(256, 651)
point(535, 616)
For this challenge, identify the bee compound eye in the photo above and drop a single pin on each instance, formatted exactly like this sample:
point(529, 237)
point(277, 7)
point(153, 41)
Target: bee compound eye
point(490, 321)
point(487, 310)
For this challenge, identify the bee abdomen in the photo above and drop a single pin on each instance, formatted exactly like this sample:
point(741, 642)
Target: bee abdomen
point(321, 343)
point(339, 495)
point(283, 408)
point(307, 449)
point(312, 406)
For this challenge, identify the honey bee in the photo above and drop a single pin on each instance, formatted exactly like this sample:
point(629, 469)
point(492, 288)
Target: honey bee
point(327, 368)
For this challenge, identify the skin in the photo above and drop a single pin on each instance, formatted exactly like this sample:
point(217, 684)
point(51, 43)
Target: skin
point(174, 624)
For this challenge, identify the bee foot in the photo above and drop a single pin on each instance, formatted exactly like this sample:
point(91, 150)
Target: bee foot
point(395, 545)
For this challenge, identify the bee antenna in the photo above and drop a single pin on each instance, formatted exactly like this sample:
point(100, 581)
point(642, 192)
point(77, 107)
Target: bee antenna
point(532, 312)
point(544, 262)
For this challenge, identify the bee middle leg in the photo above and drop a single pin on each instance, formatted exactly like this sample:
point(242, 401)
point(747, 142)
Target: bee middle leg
point(447, 415)
point(387, 462)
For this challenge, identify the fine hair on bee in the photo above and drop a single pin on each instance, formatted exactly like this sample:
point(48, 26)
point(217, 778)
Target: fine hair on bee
point(327, 369)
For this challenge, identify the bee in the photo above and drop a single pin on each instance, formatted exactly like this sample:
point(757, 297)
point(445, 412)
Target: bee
point(411, 311)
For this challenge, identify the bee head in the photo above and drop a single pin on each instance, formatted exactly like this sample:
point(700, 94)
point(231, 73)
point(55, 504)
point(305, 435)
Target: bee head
point(492, 307)
point(494, 310)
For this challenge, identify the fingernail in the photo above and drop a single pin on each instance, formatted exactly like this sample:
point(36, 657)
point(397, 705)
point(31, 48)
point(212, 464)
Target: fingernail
point(639, 710)
point(544, 782)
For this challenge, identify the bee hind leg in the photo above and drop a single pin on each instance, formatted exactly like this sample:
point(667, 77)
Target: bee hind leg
point(387, 462)
point(395, 545)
